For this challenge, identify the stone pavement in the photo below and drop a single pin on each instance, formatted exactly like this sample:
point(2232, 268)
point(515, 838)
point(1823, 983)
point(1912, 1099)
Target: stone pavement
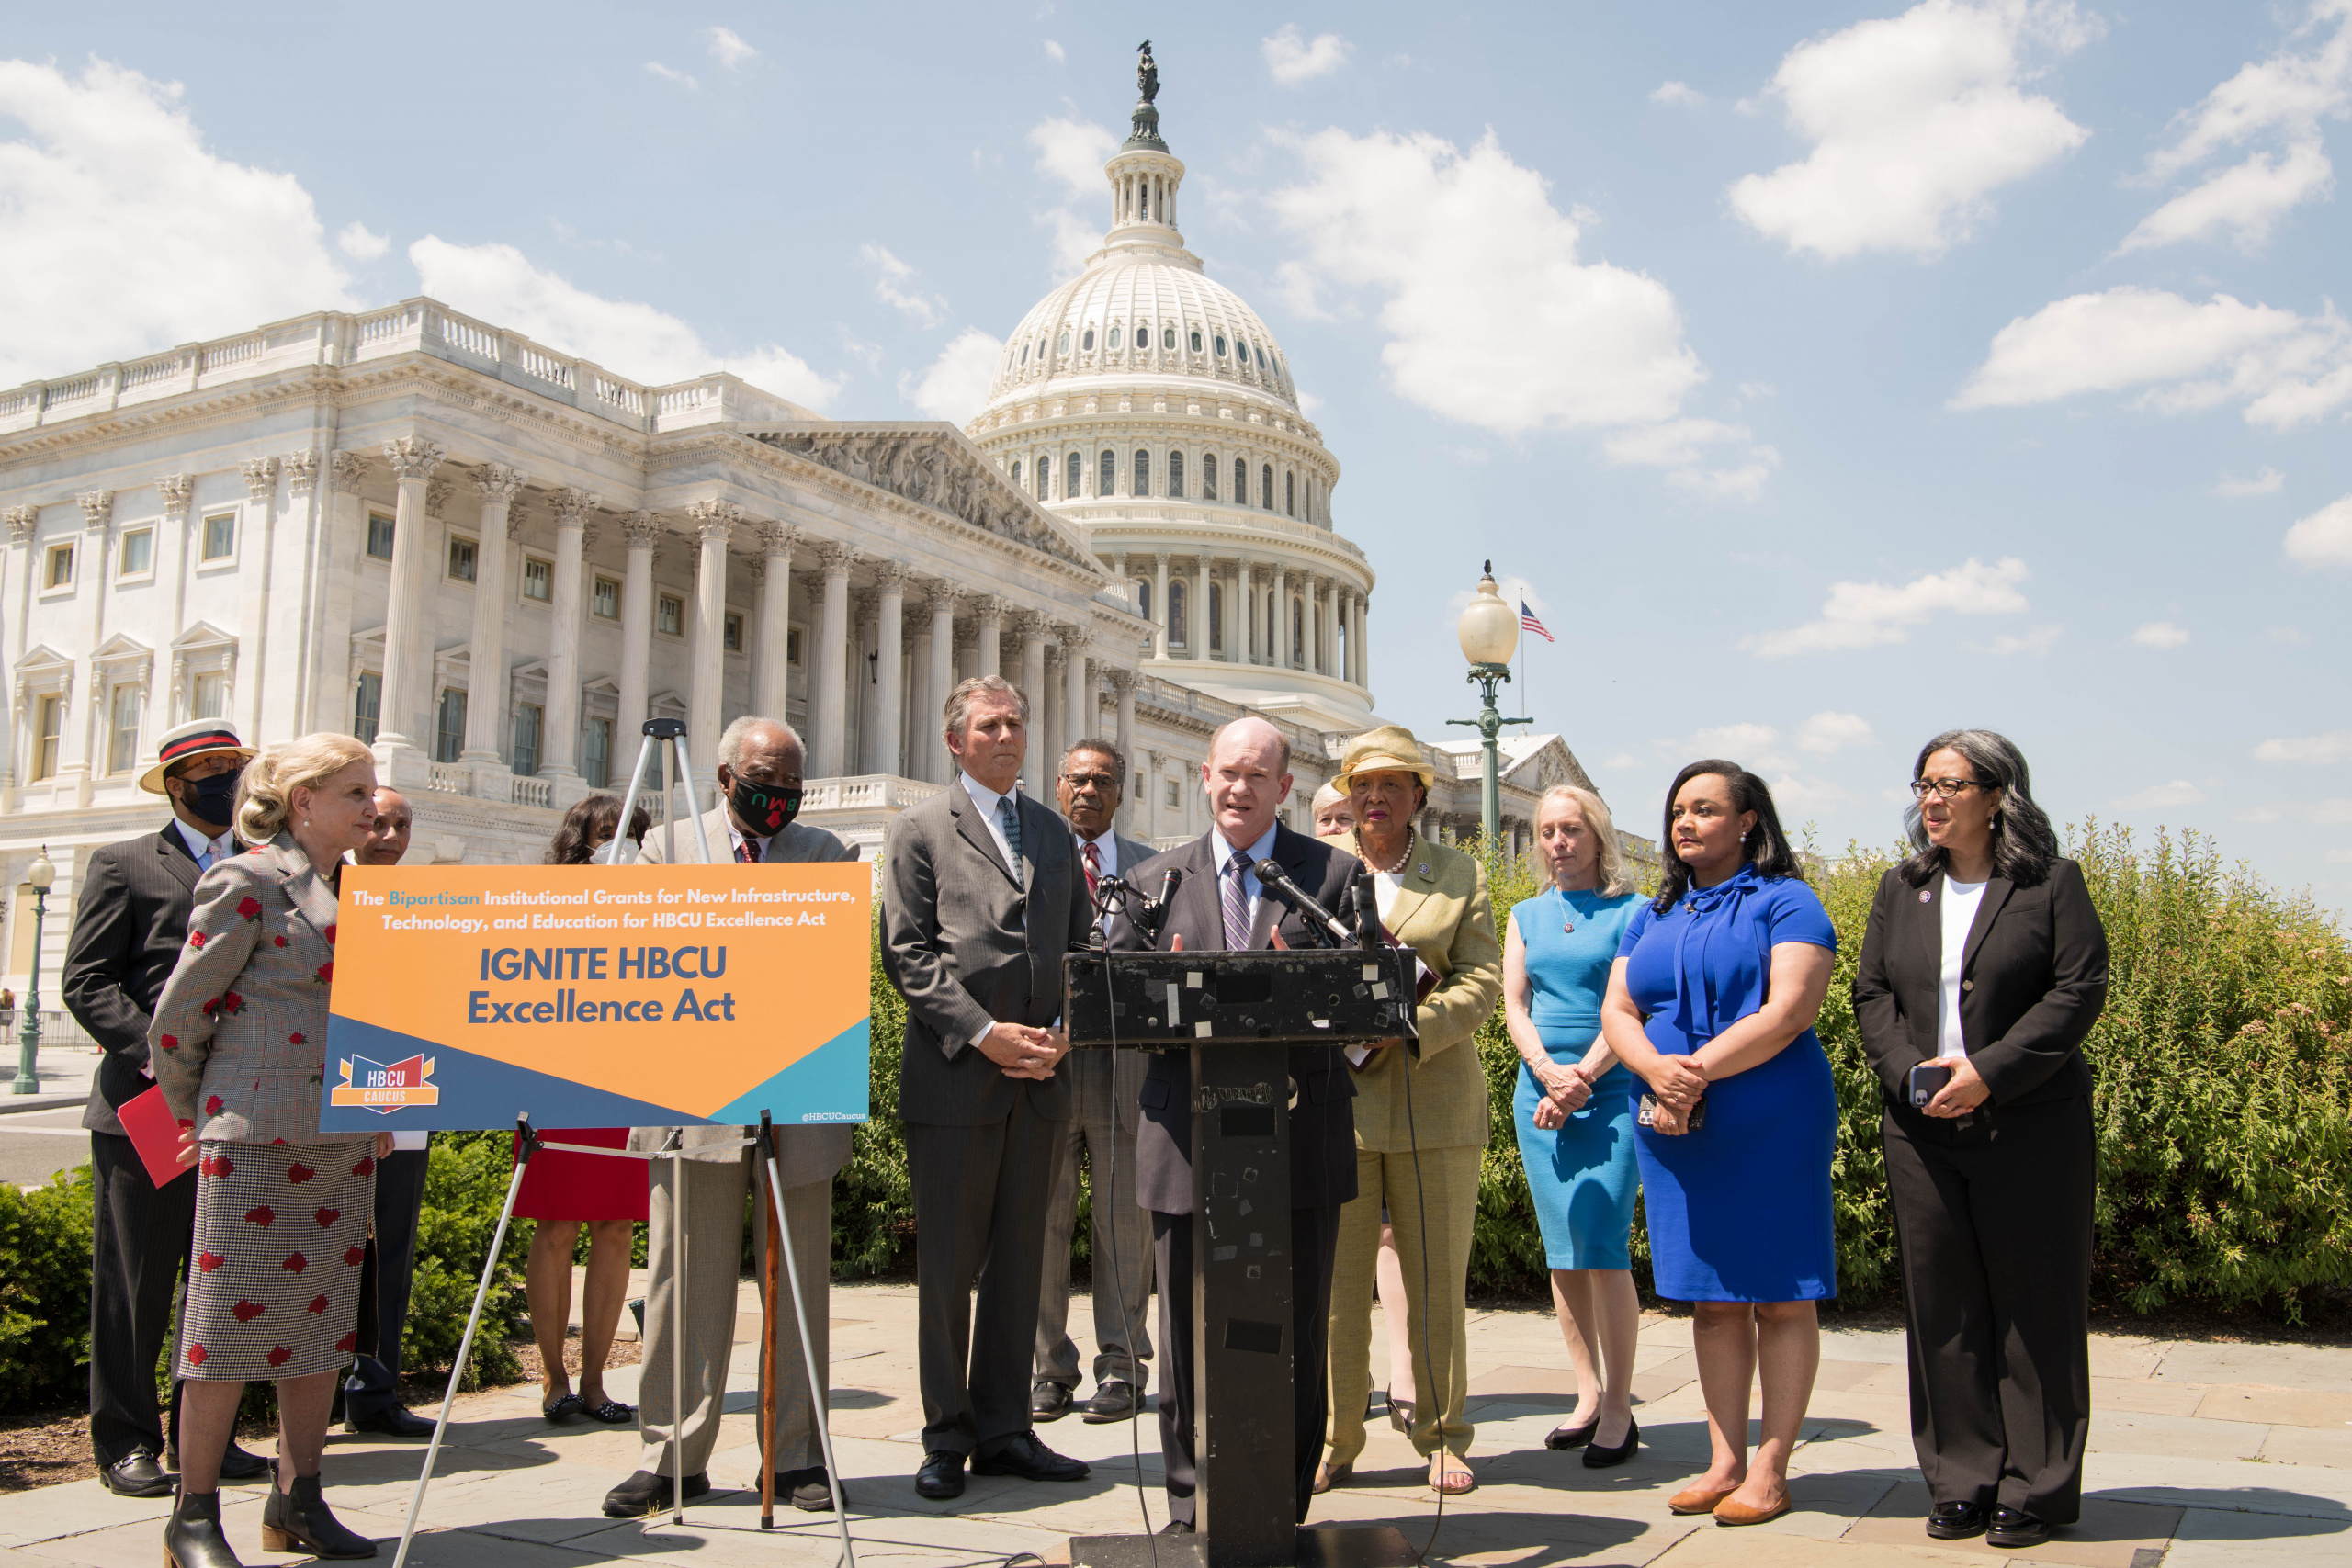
point(2201, 1454)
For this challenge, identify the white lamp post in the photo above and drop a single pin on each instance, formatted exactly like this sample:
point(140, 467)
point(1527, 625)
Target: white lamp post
point(1489, 633)
point(29, 1038)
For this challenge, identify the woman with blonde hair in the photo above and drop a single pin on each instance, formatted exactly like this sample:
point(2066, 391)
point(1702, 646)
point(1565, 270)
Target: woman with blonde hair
point(239, 1045)
point(1575, 1110)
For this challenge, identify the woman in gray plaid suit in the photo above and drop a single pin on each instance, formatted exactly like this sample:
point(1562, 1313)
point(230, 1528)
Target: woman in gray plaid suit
point(239, 1044)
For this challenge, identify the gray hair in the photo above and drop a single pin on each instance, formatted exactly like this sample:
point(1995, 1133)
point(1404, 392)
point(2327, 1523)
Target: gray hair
point(1615, 880)
point(2024, 843)
point(959, 701)
point(1100, 748)
point(732, 739)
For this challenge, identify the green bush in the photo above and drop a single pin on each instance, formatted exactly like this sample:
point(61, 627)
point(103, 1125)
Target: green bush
point(874, 1205)
point(465, 1188)
point(45, 1290)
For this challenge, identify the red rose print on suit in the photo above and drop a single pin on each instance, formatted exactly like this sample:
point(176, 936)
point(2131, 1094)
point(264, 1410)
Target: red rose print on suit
point(207, 1261)
point(246, 1311)
point(318, 1303)
point(231, 1004)
point(325, 976)
point(327, 1217)
point(367, 1166)
point(295, 1263)
point(274, 1141)
point(249, 907)
point(279, 941)
point(169, 1041)
point(195, 1355)
point(348, 1343)
point(213, 1105)
point(279, 1355)
point(351, 1254)
point(294, 1039)
point(261, 1217)
point(329, 934)
point(298, 1173)
point(196, 939)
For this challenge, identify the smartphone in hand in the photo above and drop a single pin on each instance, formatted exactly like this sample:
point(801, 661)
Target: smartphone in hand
point(1926, 1080)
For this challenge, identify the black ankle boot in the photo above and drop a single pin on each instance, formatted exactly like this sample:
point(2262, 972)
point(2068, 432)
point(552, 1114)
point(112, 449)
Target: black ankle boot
point(192, 1537)
point(299, 1521)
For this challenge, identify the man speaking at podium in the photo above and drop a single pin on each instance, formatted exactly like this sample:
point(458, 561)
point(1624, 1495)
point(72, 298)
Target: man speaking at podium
point(1219, 906)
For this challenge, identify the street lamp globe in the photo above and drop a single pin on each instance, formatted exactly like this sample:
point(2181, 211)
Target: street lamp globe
point(1489, 628)
point(40, 874)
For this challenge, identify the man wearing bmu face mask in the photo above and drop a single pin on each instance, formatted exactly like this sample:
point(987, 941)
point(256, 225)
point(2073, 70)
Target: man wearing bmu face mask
point(760, 765)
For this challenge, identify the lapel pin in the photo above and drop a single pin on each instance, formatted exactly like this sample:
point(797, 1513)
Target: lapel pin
point(1925, 896)
point(1422, 869)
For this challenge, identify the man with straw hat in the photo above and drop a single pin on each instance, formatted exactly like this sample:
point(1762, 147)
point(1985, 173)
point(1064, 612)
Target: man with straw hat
point(129, 921)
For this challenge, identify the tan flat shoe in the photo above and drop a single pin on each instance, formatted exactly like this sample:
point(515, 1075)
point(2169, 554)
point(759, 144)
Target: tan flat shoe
point(1447, 1480)
point(1730, 1512)
point(1330, 1475)
point(1697, 1499)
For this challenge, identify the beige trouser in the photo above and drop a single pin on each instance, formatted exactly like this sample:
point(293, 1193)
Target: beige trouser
point(1435, 1315)
point(715, 1193)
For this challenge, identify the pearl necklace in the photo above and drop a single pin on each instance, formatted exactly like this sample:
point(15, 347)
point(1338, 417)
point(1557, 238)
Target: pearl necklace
point(1385, 870)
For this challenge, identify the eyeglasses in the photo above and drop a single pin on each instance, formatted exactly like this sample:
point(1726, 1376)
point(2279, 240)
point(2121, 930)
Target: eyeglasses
point(1947, 789)
point(1091, 781)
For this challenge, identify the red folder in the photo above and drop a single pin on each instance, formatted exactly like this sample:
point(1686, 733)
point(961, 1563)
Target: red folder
point(155, 1132)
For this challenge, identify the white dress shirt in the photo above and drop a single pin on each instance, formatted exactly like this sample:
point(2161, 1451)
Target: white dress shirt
point(737, 838)
point(987, 800)
point(1106, 851)
point(206, 851)
point(1959, 910)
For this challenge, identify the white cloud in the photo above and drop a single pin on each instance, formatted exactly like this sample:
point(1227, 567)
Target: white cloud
point(1679, 92)
point(2324, 538)
point(2332, 813)
point(2286, 368)
point(1829, 733)
point(2263, 483)
point(2327, 750)
point(121, 231)
point(2036, 642)
point(2285, 97)
point(670, 74)
point(728, 48)
point(1293, 58)
point(1054, 51)
point(2287, 637)
point(891, 276)
point(639, 340)
point(2161, 634)
point(1867, 614)
point(2160, 797)
point(1915, 121)
point(1681, 445)
point(355, 240)
point(2257, 814)
point(1072, 153)
point(956, 383)
point(1492, 319)
point(1733, 740)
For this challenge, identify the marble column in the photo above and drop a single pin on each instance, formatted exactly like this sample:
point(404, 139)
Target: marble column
point(889, 668)
point(991, 634)
point(408, 679)
point(1123, 682)
point(1364, 653)
point(1078, 691)
point(562, 747)
point(1330, 626)
point(20, 521)
point(1119, 574)
point(1355, 639)
point(1310, 653)
point(713, 523)
point(1152, 794)
point(255, 548)
point(829, 693)
point(1031, 626)
point(1196, 620)
point(1159, 604)
point(771, 678)
point(486, 656)
point(1049, 735)
point(1245, 577)
point(1280, 661)
point(928, 728)
point(642, 532)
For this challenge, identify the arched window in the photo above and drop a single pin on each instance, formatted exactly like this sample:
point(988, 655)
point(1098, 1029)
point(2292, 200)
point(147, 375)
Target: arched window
point(1143, 471)
point(1115, 337)
point(1208, 476)
point(1176, 637)
point(1143, 597)
point(1217, 617)
point(1240, 482)
point(1220, 345)
point(1168, 337)
point(1290, 494)
point(1176, 475)
point(1024, 353)
point(1107, 481)
point(1062, 345)
point(1044, 471)
point(1076, 477)
point(1014, 473)
point(1086, 340)
point(1196, 340)
point(1266, 485)
point(1269, 644)
point(1297, 633)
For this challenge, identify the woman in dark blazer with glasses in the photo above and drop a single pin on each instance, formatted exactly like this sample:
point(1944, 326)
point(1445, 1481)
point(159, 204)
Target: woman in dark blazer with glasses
point(1982, 970)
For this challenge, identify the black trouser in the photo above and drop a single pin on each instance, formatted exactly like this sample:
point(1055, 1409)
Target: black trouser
point(980, 1200)
point(1995, 1223)
point(1314, 1234)
point(141, 1235)
point(385, 1277)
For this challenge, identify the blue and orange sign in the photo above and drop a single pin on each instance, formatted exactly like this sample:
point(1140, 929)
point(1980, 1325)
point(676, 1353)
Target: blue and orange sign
point(638, 996)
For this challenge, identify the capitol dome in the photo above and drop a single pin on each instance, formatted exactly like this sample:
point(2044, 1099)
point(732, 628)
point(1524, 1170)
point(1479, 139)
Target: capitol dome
point(1149, 406)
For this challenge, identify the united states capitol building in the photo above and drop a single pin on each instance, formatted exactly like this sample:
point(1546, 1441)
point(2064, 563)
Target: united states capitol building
point(494, 561)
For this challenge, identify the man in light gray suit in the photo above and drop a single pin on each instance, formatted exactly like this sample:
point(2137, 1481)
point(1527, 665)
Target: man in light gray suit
point(981, 897)
point(760, 767)
point(1093, 782)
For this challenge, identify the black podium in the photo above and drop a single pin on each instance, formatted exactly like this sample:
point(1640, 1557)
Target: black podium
point(1239, 1013)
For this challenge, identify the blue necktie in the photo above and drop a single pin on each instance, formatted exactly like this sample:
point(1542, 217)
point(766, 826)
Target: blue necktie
point(1010, 821)
point(1237, 905)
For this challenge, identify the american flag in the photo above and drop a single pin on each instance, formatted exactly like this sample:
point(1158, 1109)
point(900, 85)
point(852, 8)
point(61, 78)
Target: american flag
point(1528, 622)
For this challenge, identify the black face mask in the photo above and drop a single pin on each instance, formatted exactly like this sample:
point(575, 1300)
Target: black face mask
point(213, 799)
point(765, 811)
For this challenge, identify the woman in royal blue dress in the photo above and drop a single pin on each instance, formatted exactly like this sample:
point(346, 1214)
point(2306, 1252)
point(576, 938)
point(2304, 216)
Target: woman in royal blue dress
point(1712, 1003)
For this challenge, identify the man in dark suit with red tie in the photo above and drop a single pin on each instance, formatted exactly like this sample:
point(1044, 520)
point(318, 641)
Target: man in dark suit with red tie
point(1220, 905)
point(130, 920)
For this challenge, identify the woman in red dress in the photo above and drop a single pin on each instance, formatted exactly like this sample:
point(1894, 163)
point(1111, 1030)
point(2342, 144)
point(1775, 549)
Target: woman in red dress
point(561, 1191)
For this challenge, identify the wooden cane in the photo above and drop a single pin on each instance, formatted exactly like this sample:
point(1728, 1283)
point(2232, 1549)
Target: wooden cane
point(767, 1342)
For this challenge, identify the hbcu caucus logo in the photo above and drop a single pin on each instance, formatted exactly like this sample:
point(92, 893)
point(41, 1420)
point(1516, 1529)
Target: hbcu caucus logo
point(385, 1090)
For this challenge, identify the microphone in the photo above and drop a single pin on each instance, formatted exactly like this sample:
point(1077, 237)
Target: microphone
point(1276, 880)
point(1154, 913)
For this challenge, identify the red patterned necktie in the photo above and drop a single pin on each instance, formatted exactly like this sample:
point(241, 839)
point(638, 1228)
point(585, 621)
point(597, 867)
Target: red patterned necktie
point(1094, 858)
point(747, 851)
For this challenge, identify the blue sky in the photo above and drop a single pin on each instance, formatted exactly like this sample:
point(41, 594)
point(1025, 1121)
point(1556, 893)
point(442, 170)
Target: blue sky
point(1831, 374)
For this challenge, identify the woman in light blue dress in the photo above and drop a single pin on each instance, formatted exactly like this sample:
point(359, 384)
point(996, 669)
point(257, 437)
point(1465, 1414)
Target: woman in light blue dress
point(1574, 1111)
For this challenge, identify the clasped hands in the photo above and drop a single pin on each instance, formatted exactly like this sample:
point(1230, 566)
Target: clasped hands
point(1676, 1083)
point(1566, 1090)
point(1024, 1052)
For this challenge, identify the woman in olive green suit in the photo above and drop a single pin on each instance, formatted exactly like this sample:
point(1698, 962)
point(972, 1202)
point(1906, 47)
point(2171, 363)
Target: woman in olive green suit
point(1433, 900)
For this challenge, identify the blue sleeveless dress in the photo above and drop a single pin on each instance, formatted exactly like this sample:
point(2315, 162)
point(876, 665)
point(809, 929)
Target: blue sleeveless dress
point(1582, 1174)
point(1738, 1211)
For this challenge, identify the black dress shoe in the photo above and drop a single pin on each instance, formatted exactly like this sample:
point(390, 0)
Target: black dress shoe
point(806, 1491)
point(1566, 1437)
point(645, 1492)
point(392, 1421)
point(1023, 1455)
point(238, 1466)
point(1596, 1457)
point(1113, 1401)
point(1047, 1401)
point(1177, 1526)
point(1956, 1521)
point(941, 1475)
point(136, 1475)
point(2015, 1527)
point(299, 1521)
point(193, 1538)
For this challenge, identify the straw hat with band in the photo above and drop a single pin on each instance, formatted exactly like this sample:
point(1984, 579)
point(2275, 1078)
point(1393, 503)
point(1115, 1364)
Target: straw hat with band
point(198, 738)
point(1389, 748)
